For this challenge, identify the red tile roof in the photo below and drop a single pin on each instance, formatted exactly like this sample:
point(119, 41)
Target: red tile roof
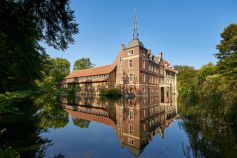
point(92, 71)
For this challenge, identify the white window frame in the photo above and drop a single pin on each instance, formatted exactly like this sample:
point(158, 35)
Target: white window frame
point(131, 114)
point(130, 128)
point(131, 141)
point(130, 52)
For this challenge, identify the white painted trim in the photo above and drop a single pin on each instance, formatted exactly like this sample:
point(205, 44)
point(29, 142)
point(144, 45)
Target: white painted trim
point(131, 57)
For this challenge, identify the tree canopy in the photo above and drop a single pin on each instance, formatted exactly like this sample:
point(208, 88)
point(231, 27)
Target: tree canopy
point(227, 55)
point(54, 72)
point(23, 25)
point(82, 63)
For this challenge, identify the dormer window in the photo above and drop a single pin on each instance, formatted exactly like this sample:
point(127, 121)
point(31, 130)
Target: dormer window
point(130, 52)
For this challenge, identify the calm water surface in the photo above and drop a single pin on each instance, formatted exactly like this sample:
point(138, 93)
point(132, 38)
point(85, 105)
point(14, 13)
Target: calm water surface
point(76, 126)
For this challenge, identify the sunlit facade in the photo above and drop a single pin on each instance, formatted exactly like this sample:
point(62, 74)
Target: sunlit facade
point(136, 71)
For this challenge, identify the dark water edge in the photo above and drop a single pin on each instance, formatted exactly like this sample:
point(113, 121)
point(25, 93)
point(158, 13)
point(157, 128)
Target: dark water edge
point(51, 127)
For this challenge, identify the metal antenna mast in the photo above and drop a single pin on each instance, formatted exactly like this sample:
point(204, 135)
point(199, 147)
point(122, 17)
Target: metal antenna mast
point(135, 26)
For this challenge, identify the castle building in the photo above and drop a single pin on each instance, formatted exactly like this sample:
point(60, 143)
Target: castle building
point(136, 71)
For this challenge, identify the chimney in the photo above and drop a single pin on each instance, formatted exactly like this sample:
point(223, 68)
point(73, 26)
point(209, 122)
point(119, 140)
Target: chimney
point(161, 55)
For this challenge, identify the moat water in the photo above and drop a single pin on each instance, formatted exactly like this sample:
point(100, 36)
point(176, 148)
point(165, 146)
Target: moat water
point(69, 126)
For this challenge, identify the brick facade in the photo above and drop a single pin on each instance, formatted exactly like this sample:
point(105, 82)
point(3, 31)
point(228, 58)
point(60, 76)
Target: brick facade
point(136, 71)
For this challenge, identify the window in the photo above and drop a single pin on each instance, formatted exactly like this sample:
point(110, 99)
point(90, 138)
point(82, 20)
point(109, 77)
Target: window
point(131, 141)
point(130, 52)
point(120, 58)
point(151, 111)
point(130, 77)
point(121, 121)
point(143, 78)
point(144, 53)
point(130, 63)
point(162, 95)
point(143, 89)
point(130, 129)
point(149, 78)
point(131, 114)
point(143, 64)
point(143, 113)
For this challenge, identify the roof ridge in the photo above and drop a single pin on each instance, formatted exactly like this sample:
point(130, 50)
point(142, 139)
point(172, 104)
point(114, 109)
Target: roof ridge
point(94, 67)
point(105, 69)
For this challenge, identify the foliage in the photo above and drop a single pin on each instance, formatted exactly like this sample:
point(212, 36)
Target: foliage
point(110, 93)
point(82, 63)
point(9, 153)
point(212, 116)
point(24, 24)
point(187, 83)
point(54, 72)
point(227, 55)
point(9, 99)
point(51, 114)
point(22, 133)
point(82, 123)
point(60, 68)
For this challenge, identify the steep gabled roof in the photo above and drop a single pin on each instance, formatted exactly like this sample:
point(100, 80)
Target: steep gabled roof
point(167, 66)
point(164, 62)
point(135, 42)
point(92, 71)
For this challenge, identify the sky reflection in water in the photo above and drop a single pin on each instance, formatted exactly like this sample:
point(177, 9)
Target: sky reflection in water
point(103, 129)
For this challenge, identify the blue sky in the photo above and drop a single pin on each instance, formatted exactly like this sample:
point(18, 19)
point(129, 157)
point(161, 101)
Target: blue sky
point(186, 31)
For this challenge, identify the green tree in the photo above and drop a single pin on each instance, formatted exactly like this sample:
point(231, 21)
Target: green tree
point(227, 55)
point(205, 71)
point(82, 63)
point(82, 123)
point(187, 83)
point(60, 68)
point(54, 72)
point(23, 24)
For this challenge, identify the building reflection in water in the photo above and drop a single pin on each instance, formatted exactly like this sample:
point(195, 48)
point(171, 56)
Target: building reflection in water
point(135, 120)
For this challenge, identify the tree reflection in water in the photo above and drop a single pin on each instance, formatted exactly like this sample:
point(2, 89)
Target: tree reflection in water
point(82, 123)
point(209, 132)
point(135, 120)
point(23, 131)
point(51, 115)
